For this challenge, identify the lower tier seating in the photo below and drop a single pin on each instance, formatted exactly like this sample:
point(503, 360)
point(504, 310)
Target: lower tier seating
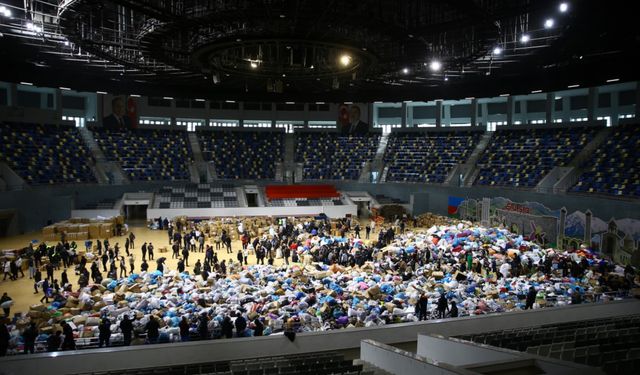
point(614, 168)
point(522, 157)
point(45, 154)
point(331, 156)
point(427, 157)
point(148, 154)
point(610, 343)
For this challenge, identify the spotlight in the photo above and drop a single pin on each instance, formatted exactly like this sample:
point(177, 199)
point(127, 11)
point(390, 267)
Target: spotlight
point(525, 38)
point(405, 70)
point(253, 64)
point(446, 78)
point(435, 65)
point(497, 51)
point(563, 7)
point(345, 60)
point(549, 23)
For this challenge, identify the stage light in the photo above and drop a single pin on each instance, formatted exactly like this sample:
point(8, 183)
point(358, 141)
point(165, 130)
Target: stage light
point(26, 83)
point(525, 38)
point(253, 64)
point(497, 51)
point(405, 70)
point(613, 80)
point(101, 92)
point(345, 60)
point(435, 65)
point(563, 7)
point(549, 23)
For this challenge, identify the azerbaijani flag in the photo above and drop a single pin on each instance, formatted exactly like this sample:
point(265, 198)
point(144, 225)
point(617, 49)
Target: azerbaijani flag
point(452, 207)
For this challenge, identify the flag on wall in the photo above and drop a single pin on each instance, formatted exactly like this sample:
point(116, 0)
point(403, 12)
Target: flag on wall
point(452, 207)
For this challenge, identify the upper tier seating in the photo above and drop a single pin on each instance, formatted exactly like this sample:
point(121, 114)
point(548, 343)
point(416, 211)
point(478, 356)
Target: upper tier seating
point(331, 156)
point(610, 343)
point(242, 155)
point(45, 154)
point(197, 196)
point(427, 157)
point(614, 168)
point(522, 157)
point(148, 154)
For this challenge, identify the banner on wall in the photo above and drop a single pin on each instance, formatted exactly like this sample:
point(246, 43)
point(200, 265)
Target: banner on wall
point(120, 112)
point(618, 239)
point(353, 118)
point(453, 205)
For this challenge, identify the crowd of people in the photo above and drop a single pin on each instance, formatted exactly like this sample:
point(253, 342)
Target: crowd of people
point(394, 264)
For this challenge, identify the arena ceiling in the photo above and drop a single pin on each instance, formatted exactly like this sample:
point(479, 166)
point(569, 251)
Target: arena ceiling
point(328, 50)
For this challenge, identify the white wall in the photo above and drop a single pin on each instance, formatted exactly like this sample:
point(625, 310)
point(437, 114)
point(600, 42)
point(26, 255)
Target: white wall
point(441, 349)
point(401, 362)
point(92, 214)
point(330, 211)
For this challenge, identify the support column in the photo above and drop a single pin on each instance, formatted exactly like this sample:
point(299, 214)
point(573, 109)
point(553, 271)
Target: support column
point(58, 104)
point(438, 113)
point(474, 112)
point(549, 107)
point(12, 99)
point(592, 103)
point(637, 102)
point(403, 115)
point(510, 105)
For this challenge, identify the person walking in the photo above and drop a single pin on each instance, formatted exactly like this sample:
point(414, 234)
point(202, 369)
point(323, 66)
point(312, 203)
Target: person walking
point(150, 251)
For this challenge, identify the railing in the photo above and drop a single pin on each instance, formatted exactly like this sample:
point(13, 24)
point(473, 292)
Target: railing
point(145, 356)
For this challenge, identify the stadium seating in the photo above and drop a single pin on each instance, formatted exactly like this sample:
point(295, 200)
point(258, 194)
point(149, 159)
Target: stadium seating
point(45, 154)
point(148, 154)
point(427, 157)
point(522, 157)
point(614, 168)
point(312, 363)
point(196, 196)
point(331, 156)
point(242, 155)
point(610, 343)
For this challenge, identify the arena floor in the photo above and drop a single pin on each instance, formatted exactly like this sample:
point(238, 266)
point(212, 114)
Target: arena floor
point(21, 290)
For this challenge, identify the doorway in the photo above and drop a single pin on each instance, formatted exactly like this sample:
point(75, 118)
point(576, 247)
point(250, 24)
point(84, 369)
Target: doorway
point(136, 212)
point(252, 199)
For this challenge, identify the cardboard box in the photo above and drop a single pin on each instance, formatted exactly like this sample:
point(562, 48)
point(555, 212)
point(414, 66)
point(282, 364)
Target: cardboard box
point(94, 230)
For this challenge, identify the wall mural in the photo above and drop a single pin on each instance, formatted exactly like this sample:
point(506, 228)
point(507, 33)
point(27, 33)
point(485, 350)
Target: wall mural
point(617, 238)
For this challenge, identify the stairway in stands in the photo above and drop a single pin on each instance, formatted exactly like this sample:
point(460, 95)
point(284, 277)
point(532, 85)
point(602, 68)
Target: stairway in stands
point(377, 165)
point(201, 167)
point(288, 168)
point(572, 172)
point(107, 172)
point(469, 169)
